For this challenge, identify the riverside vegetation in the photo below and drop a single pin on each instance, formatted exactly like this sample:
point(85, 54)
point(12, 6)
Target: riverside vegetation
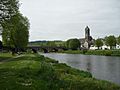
point(94, 52)
point(36, 72)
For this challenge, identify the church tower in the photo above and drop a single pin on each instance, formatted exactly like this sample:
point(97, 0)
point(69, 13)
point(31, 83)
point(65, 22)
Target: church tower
point(87, 38)
point(87, 33)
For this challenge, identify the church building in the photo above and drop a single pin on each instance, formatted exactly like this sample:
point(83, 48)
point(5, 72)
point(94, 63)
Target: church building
point(88, 40)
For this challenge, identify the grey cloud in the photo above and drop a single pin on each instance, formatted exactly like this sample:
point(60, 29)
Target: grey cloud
point(63, 19)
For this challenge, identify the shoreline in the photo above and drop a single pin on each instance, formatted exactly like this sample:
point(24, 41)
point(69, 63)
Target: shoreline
point(31, 70)
point(93, 52)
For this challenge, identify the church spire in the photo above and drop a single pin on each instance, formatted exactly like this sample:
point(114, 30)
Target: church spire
point(87, 32)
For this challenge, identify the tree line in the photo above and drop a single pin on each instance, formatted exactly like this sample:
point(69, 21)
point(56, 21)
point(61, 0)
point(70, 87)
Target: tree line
point(69, 44)
point(14, 27)
point(75, 44)
point(110, 41)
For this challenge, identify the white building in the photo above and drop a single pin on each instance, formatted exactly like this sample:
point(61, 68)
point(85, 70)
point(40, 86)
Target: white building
point(117, 46)
point(104, 47)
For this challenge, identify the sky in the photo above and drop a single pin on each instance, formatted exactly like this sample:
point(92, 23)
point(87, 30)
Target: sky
point(65, 19)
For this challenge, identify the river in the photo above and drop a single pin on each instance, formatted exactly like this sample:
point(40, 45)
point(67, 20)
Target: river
point(101, 67)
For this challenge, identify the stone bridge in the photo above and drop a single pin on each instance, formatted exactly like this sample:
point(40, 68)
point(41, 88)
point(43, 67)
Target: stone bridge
point(47, 49)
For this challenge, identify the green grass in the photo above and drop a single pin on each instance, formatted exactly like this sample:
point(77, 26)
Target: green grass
point(116, 53)
point(100, 52)
point(5, 56)
point(72, 52)
point(36, 72)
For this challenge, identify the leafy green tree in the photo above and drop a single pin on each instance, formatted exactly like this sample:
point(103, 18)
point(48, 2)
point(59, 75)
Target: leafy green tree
point(73, 44)
point(67, 43)
point(63, 44)
point(98, 43)
point(16, 34)
point(118, 40)
point(110, 41)
point(6, 33)
point(51, 44)
point(8, 8)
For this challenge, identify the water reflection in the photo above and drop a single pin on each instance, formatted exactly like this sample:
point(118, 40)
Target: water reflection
point(102, 67)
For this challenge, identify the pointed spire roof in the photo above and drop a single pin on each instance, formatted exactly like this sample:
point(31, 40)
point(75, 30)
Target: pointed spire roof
point(87, 28)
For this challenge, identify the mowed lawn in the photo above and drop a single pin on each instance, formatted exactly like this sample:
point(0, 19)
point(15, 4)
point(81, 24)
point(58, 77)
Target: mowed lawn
point(36, 72)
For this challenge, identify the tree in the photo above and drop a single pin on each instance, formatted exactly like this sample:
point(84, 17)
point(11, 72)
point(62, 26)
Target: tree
point(1, 45)
point(67, 43)
point(73, 44)
point(110, 41)
point(118, 40)
point(98, 43)
point(16, 34)
point(51, 44)
point(8, 8)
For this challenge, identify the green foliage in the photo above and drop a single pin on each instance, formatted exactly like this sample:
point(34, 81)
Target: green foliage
point(8, 9)
point(67, 43)
point(15, 33)
point(13, 25)
point(48, 43)
point(72, 51)
point(115, 52)
point(110, 41)
point(94, 52)
point(99, 52)
point(5, 56)
point(72, 82)
point(98, 43)
point(73, 44)
point(49, 60)
point(51, 44)
point(29, 72)
point(118, 40)
point(62, 68)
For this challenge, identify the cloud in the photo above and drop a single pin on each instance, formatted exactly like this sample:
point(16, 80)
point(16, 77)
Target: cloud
point(63, 19)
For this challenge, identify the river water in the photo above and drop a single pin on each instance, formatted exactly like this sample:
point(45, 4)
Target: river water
point(101, 67)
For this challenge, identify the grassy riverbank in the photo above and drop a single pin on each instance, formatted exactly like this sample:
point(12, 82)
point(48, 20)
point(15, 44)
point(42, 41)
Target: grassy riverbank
point(36, 72)
point(94, 52)
point(5, 56)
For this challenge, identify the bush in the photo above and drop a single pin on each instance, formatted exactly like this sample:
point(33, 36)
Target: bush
point(99, 52)
point(73, 44)
point(115, 52)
